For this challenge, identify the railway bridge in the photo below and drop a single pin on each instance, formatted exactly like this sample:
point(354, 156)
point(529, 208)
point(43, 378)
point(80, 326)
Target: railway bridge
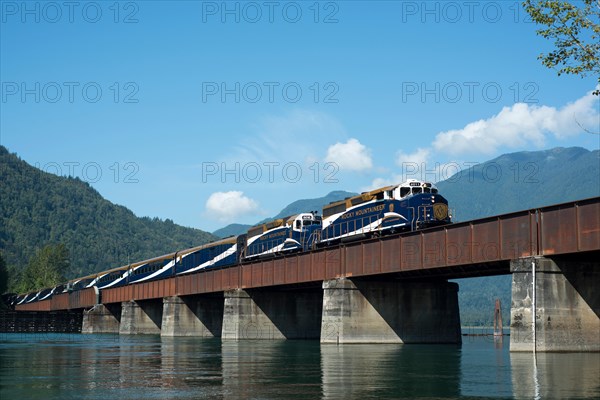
point(391, 289)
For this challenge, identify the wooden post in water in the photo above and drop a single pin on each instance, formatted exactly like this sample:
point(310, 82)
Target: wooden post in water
point(498, 319)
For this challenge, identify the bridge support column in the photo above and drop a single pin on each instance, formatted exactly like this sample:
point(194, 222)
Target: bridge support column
point(390, 312)
point(103, 318)
point(272, 314)
point(192, 316)
point(567, 305)
point(141, 317)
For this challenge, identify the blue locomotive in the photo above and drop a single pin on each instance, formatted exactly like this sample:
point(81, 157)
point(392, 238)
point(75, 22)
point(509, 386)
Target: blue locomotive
point(295, 233)
point(408, 206)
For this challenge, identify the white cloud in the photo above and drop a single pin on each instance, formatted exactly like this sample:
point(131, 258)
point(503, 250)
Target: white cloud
point(226, 206)
point(381, 182)
point(418, 157)
point(351, 156)
point(520, 125)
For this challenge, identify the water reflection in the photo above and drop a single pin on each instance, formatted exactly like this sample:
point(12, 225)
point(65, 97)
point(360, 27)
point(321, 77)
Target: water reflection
point(555, 375)
point(485, 367)
point(192, 366)
point(271, 369)
point(150, 367)
point(384, 370)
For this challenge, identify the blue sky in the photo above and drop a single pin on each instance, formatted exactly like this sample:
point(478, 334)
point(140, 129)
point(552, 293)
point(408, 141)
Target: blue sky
point(211, 112)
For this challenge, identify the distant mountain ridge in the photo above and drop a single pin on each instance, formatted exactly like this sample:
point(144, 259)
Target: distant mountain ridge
point(38, 208)
point(523, 180)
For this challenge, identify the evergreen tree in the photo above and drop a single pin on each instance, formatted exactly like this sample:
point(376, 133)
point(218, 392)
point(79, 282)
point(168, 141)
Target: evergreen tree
point(3, 275)
point(46, 268)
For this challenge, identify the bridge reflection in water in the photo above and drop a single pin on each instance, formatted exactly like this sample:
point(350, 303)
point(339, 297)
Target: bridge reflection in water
point(108, 366)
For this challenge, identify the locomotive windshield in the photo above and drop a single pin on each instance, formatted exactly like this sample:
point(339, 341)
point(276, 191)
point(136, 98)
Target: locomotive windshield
point(412, 186)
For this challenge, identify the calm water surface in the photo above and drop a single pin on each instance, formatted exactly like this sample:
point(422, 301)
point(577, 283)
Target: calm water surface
point(56, 366)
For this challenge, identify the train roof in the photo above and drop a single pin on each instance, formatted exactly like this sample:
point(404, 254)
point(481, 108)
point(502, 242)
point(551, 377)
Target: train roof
point(229, 240)
point(355, 200)
point(342, 205)
point(276, 223)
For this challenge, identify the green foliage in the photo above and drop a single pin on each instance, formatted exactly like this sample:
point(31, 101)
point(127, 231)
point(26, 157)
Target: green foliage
point(477, 299)
point(3, 275)
point(39, 208)
point(14, 279)
point(46, 268)
point(575, 29)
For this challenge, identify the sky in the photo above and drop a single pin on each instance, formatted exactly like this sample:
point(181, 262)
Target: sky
point(209, 113)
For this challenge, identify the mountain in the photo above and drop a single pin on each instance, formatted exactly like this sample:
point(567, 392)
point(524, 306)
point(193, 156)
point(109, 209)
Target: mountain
point(523, 180)
point(308, 205)
point(296, 207)
point(231, 230)
point(38, 208)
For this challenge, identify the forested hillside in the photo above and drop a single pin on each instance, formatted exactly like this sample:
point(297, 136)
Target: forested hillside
point(39, 208)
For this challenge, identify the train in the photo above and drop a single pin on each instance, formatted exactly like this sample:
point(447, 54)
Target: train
point(409, 206)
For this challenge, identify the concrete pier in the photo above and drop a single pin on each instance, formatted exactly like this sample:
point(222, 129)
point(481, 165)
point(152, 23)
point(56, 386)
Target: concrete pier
point(192, 316)
point(390, 312)
point(141, 317)
point(102, 319)
point(567, 305)
point(272, 314)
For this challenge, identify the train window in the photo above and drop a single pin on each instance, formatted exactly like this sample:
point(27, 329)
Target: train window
point(404, 191)
point(356, 200)
point(379, 196)
point(434, 191)
point(334, 210)
point(426, 190)
point(298, 224)
point(255, 231)
point(416, 190)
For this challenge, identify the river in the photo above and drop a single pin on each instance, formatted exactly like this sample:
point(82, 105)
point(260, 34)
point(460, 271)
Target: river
point(63, 366)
